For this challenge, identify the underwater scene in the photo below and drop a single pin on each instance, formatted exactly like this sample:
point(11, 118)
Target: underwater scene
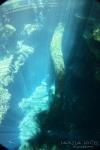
point(50, 75)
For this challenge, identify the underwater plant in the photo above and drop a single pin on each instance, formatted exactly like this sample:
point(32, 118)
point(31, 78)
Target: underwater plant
point(7, 30)
point(28, 126)
point(56, 50)
point(58, 62)
point(9, 67)
point(22, 53)
point(5, 79)
point(26, 146)
point(4, 102)
point(93, 34)
point(96, 33)
point(93, 41)
point(39, 101)
point(6, 70)
point(30, 28)
point(39, 95)
point(31, 106)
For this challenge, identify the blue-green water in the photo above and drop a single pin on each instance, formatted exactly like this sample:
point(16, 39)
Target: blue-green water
point(50, 74)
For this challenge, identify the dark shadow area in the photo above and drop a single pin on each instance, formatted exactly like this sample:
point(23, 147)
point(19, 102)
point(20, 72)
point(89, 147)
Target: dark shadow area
point(3, 148)
point(2, 1)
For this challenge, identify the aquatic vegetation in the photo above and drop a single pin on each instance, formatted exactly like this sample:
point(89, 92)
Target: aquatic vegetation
point(96, 34)
point(30, 28)
point(39, 96)
point(59, 66)
point(22, 53)
point(26, 146)
point(93, 34)
point(7, 30)
point(59, 109)
point(5, 79)
point(6, 70)
point(4, 102)
point(28, 126)
point(9, 66)
point(93, 40)
point(56, 50)
point(36, 103)
point(39, 100)
point(24, 49)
